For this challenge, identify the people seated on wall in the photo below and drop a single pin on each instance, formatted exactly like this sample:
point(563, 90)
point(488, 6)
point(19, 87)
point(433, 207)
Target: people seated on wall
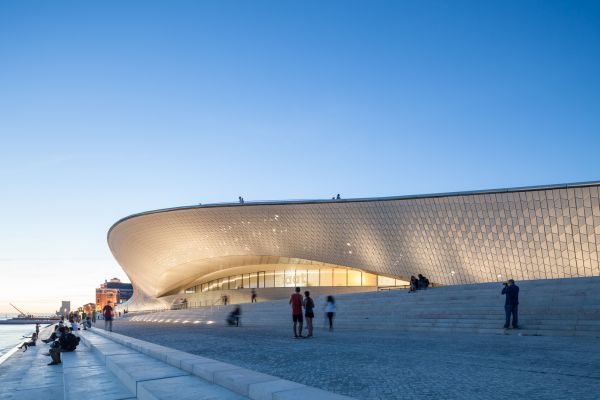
point(66, 343)
point(414, 284)
point(423, 283)
point(56, 334)
point(26, 344)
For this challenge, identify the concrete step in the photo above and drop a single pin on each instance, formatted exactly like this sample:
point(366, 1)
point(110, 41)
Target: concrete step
point(156, 372)
point(140, 373)
point(83, 370)
point(562, 306)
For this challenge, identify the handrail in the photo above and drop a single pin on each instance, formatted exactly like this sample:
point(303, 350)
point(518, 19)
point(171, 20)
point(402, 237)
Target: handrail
point(399, 287)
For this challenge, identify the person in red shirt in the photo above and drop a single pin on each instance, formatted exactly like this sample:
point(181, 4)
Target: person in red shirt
point(108, 314)
point(296, 303)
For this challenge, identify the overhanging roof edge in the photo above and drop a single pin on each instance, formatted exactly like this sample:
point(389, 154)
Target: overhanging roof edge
point(356, 200)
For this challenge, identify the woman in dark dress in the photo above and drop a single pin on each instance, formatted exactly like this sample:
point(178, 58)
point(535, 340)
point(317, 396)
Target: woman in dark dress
point(309, 305)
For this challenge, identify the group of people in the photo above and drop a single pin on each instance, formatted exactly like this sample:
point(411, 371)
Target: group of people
point(62, 339)
point(418, 283)
point(307, 304)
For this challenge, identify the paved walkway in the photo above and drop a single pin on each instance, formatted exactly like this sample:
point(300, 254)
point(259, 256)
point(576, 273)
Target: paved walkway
point(391, 365)
point(26, 375)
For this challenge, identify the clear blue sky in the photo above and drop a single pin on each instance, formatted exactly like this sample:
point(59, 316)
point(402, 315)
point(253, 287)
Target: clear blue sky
point(110, 108)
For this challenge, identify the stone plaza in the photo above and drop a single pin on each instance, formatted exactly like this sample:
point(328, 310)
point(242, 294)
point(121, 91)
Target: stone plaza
point(398, 365)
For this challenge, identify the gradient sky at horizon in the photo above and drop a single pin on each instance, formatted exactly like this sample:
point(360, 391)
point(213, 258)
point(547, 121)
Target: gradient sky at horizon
point(111, 108)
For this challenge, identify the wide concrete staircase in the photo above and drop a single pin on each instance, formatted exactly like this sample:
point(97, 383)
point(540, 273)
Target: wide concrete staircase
point(557, 307)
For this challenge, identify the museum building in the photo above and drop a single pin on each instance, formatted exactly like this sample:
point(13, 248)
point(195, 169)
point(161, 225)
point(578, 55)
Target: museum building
point(197, 253)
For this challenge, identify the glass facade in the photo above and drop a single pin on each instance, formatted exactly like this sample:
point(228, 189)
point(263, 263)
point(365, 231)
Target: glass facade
point(296, 277)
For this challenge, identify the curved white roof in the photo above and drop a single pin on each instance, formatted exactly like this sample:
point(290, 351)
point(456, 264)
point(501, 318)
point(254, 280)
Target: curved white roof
point(453, 238)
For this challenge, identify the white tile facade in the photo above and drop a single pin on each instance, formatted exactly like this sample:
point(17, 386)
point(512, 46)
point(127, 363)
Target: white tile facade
point(458, 238)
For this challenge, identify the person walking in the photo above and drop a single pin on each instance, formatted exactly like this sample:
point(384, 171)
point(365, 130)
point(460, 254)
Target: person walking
point(108, 313)
point(511, 304)
point(330, 310)
point(296, 303)
point(253, 295)
point(309, 305)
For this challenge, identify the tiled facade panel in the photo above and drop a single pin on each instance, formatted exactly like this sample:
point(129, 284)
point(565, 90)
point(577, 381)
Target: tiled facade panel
point(538, 234)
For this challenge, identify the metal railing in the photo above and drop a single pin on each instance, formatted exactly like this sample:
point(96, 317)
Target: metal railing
point(399, 287)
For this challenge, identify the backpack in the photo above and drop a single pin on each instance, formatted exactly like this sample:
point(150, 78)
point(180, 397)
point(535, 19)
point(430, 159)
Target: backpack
point(70, 342)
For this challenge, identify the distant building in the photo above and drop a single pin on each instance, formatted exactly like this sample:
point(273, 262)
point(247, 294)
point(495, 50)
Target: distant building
point(113, 291)
point(88, 308)
point(65, 309)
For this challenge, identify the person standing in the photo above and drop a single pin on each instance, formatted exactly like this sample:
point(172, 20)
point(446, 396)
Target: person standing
point(511, 304)
point(309, 305)
point(253, 295)
point(107, 313)
point(296, 303)
point(94, 317)
point(330, 310)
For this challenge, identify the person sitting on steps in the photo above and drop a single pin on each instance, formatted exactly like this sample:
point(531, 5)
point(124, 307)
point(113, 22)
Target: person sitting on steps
point(66, 343)
point(235, 316)
point(34, 337)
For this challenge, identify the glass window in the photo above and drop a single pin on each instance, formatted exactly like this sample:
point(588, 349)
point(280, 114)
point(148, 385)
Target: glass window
point(400, 282)
point(205, 287)
point(339, 277)
point(223, 284)
point(290, 277)
point(279, 279)
point(312, 278)
point(326, 277)
point(369, 279)
point(237, 282)
point(270, 279)
point(300, 278)
point(385, 281)
point(246, 281)
point(212, 285)
point(254, 280)
point(354, 278)
point(191, 290)
point(261, 279)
